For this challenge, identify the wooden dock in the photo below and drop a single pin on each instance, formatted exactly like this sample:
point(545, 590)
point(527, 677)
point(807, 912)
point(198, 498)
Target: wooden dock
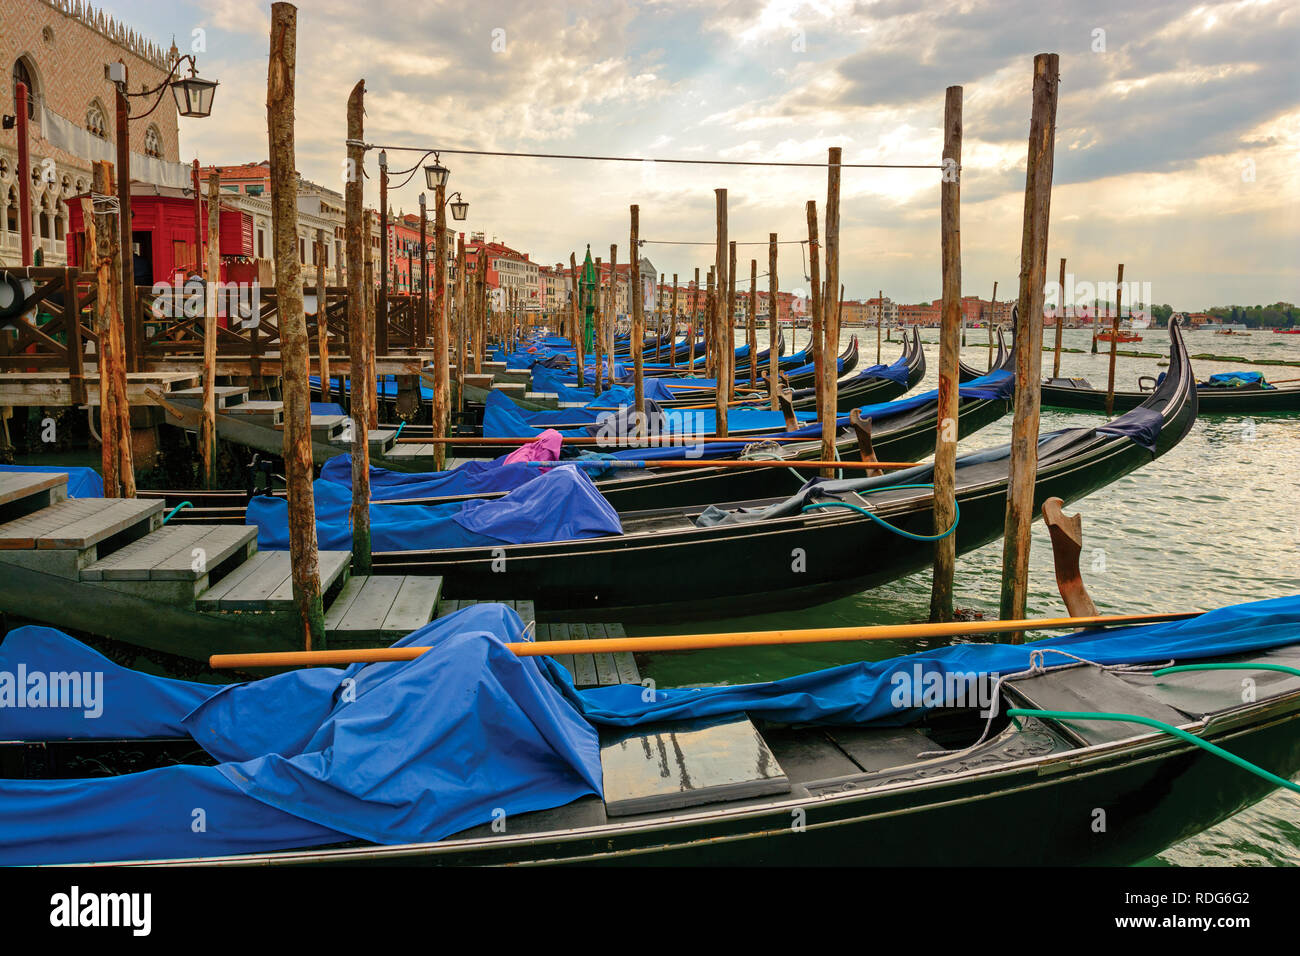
point(111, 567)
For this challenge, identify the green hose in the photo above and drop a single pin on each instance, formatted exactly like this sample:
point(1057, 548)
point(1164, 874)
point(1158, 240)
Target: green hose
point(956, 518)
point(1164, 728)
point(183, 504)
point(1227, 667)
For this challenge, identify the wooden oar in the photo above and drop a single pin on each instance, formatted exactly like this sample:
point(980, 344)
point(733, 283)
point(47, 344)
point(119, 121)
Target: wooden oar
point(651, 441)
point(725, 463)
point(696, 642)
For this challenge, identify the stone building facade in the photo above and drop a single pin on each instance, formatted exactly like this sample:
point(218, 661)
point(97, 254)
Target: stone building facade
point(61, 48)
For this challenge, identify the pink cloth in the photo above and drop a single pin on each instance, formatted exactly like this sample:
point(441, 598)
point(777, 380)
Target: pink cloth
point(546, 448)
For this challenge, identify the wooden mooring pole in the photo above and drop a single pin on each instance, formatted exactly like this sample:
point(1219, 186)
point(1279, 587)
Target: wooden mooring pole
point(295, 354)
point(1114, 343)
point(880, 317)
point(598, 332)
point(751, 336)
point(638, 321)
point(579, 332)
point(353, 193)
point(322, 316)
point(729, 341)
point(672, 327)
point(212, 275)
point(993, 311)
point(950, 330)
point(103, 237)
point(722, 350)
point(817, 325)
point(831, 310)
point(461, 322)
point(773, 325)
point(1060, 321)
point(1029, 338)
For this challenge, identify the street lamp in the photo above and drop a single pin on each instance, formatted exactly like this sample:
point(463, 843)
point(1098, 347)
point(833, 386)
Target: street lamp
point(459, 207)
point(435, 174)
point(193, 96)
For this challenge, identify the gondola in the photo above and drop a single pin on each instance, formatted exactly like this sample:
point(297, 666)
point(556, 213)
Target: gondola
point(905, 433)
point(988, 773)
point(749, 556)
point(1004, 359)
point(1213, 400)
point(870, 385)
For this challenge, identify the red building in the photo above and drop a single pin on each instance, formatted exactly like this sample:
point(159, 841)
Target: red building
point(162, 233)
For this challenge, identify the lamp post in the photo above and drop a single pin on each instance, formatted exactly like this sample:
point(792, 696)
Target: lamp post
point(193, 96)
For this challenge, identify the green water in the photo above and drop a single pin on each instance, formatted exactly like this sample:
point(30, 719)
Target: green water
point(1213, 522)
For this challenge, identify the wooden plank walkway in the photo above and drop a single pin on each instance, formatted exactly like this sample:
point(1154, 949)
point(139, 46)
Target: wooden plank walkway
point(587, 670)
point(381, 609)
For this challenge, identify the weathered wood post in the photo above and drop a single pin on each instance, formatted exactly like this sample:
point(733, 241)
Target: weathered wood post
point(579, 337)
point(638, 323)
point(1060, 321)
point(212, 277)
point(104, 250)
point(721, 323)
point(1114, 343)
point(322, 316)
point(752, 331)
point(815, 319)
point(611, 315)
point(945, 445)
point(672, 327)
point(773, 325)
point(359, 515)
point(831, 309)
point(294, 352)
point(381, 329)
point(659, 318)
point(598, 321)
point(880, 317)
point(993, 311)
point(729, 322)
point(695, 305)
point(368, 381)
point(1029, 338)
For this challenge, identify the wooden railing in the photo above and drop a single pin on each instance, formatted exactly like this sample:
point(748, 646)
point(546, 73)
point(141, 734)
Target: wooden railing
point(49, 329)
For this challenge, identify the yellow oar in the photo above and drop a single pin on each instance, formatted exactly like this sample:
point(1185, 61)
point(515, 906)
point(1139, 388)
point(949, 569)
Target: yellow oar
point(696, 642)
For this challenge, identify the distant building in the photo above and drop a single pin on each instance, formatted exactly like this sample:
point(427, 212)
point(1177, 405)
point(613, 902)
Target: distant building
point(58, 49)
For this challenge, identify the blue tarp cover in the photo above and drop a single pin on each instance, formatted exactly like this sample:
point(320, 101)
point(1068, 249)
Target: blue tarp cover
point(1235, 379)
point(417, 750)
point(82, 482)
point(390, 753)
point(561, 504)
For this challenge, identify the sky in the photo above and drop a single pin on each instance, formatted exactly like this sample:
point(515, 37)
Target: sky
point(1177, 128)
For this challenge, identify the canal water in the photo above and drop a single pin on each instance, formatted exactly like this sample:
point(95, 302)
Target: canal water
point(1213, 522)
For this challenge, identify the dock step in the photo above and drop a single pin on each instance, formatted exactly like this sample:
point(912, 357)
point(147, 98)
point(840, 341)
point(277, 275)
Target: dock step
point(80, 523)
point(265, 582)
point(326, 428)
point(380, 609)
point(259, 413)
point(225, 396)
point(175, 553)
point(24, 492)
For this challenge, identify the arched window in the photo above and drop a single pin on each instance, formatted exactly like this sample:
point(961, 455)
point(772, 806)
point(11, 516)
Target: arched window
point(46, 216)
point(11, 210)
point(23, 74)
point(153, 142)
point(97, 120)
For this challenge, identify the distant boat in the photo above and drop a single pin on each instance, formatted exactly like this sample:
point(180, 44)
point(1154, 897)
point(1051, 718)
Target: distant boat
point(1122, 336)
point(1286, 331)
point(1230, 332)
